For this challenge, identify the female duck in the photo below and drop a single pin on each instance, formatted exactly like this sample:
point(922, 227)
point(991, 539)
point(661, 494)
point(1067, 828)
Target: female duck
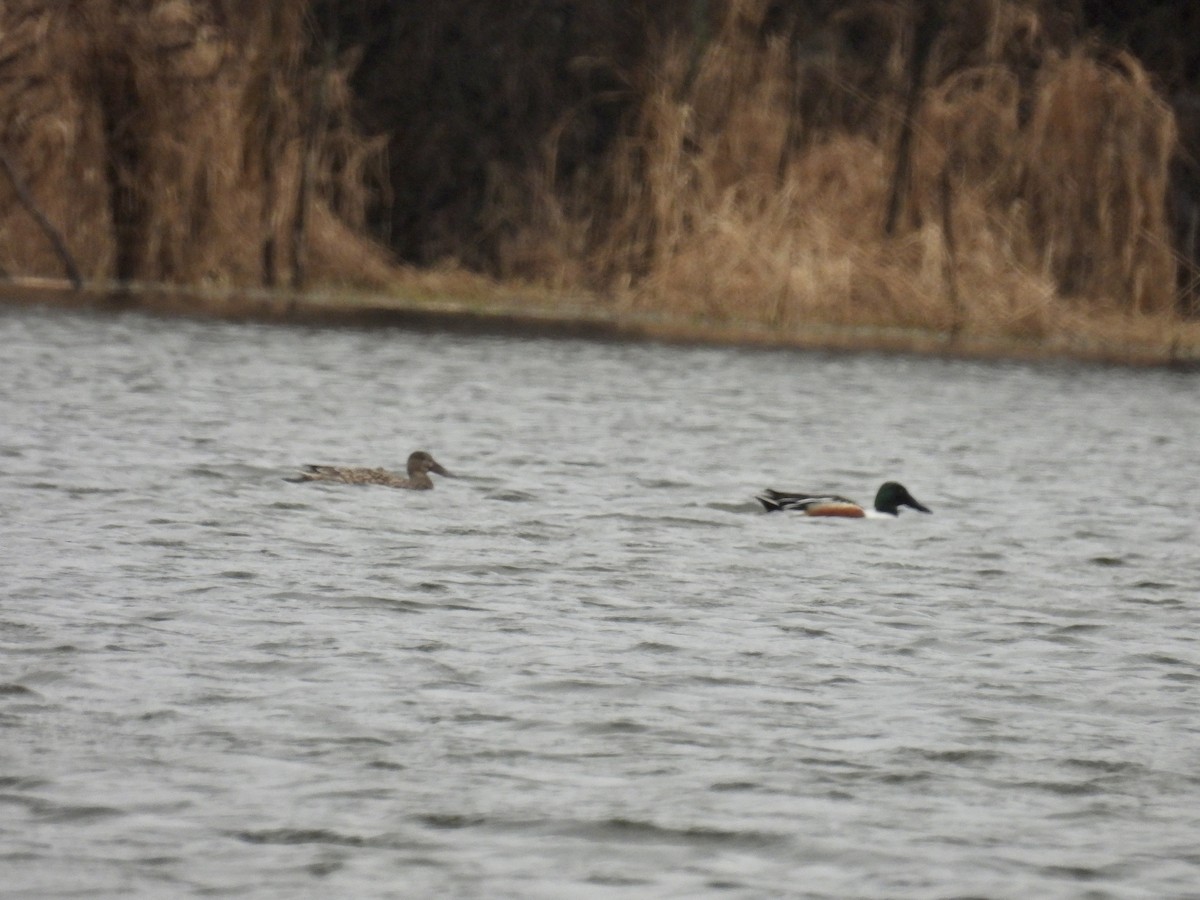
point(420, 464)
point(892, 495)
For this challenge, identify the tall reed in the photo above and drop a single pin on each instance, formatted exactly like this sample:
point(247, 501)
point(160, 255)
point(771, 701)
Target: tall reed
point(182, 141)
point(732, 160)
point(732, 196)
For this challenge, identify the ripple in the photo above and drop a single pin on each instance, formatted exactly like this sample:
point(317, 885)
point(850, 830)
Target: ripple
point(655, 647)
point(1108, 766)
point(618, 726)
point(287, 836)
point(1063, 788)
point(594, 668)
point(450, 821)
point(963, 757)
point(1162, 659)
point(67, 814)
point(573, 684)
point(723, 786)
point(639, 831)
point(1077, 873)
point(511, 496)
point(618, 881)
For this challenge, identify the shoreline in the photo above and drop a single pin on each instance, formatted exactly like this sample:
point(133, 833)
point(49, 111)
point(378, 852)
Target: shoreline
point(507, 315)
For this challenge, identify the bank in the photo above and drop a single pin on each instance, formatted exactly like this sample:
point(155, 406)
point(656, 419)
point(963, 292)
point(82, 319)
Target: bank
point(468, 304)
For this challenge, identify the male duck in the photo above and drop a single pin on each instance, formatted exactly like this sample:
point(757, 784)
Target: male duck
point(420, 464)
point(892, 495)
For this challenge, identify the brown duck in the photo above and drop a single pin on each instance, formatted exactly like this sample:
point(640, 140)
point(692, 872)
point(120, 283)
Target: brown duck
point(420, 464)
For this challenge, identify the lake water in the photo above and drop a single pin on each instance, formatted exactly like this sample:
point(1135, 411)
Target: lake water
point(589, 666)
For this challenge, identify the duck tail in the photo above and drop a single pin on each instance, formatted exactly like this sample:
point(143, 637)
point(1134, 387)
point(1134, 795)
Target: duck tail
point(769, 500)
point(309, 473)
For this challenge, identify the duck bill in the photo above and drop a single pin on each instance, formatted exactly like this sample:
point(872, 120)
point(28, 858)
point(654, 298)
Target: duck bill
point(918, 507)
point(437, 467)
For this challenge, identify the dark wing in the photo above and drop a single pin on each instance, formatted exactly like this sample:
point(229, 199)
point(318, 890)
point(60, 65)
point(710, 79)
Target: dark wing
point(313, 473)
point(773, 501)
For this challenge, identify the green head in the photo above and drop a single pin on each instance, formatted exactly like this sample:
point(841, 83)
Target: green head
point(892, 495)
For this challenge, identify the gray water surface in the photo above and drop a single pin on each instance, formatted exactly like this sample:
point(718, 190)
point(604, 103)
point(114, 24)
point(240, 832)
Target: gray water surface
point(589, 666)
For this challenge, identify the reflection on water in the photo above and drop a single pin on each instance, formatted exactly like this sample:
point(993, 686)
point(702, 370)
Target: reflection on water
point(589, 666)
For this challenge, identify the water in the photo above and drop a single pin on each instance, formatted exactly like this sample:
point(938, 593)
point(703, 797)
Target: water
point(589, 666)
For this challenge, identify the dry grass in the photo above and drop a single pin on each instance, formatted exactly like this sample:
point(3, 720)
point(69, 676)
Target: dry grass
point(181, 141)
point(736, 171)
point(729, 208)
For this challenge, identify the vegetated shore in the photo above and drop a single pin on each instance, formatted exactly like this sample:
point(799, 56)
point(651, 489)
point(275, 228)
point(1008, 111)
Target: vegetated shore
point(464, 302)
point(988, 179)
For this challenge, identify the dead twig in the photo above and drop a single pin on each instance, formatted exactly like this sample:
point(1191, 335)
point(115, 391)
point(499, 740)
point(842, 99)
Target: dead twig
point(56, 238)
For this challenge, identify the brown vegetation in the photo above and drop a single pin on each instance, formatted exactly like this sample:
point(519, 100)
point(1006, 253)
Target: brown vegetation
point(753, 184)
point(179, 141)
point(976, 168)
point(742, 168)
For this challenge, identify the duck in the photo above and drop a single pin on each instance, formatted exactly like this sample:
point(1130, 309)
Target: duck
point(890, 497)
point(420, 464)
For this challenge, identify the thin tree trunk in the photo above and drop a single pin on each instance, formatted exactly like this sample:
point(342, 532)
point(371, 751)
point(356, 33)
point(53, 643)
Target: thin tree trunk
point(928, 24)
point(314, 137)
point(951, 248)
point(55, 236)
